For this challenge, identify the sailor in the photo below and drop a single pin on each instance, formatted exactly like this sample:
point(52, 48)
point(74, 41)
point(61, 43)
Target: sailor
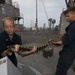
point(67, 54)
point(8, 37)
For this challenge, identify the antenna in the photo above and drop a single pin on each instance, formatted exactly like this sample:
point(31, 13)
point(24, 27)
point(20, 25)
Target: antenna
point(44, 9)
point(36, 24)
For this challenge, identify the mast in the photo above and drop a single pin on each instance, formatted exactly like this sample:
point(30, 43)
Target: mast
point(66, 2)
point(36, 24)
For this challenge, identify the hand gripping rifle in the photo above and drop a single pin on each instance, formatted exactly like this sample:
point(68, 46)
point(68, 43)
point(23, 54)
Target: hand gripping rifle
point(8, 52)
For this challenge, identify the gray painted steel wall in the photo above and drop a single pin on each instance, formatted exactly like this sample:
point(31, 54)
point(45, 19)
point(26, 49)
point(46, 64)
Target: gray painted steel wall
point(8, 1)
point(9, 10)
point(63, 24)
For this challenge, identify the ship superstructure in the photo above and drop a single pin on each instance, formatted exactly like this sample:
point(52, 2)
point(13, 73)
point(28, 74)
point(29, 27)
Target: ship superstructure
point(11, 9)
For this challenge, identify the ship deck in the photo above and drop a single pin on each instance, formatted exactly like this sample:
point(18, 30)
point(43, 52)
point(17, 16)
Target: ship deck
point(46, 66)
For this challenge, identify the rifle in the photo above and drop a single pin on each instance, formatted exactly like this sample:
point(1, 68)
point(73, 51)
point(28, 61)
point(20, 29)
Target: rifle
point(10, 49)
point(40, 48)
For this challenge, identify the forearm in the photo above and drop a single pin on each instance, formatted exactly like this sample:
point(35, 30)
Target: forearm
point(26, 52)
point(57, 42)
point(60, 42)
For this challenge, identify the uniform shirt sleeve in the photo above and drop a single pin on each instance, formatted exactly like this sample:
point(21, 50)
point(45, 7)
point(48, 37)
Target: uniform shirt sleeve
point(18, 40)
point(2, 44)
point(69, 36)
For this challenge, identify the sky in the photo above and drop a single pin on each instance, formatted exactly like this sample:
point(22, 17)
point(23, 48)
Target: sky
point(53, 10)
